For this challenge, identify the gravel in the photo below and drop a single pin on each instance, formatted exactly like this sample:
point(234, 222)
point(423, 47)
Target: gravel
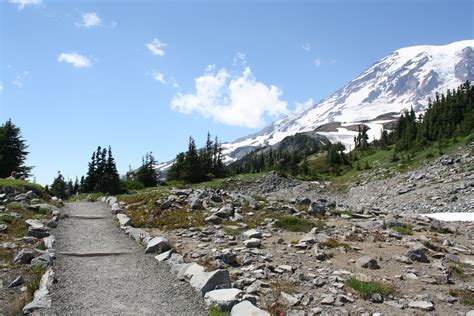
point(126, 283)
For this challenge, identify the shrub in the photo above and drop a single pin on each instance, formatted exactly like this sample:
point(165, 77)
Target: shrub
point(367, 289)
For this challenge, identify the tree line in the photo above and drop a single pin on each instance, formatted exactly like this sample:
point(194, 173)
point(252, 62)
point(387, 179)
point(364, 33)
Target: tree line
point(199, 165)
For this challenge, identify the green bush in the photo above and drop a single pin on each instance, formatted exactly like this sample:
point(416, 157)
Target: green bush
point(132, 185)
point(296, 224)
point(367, 289)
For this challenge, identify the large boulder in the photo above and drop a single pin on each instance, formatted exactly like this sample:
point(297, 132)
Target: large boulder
point(252, 233)
point(418, 253)
point(320, 207)
point(190, 270)
point(157, 244)
point(252, 243)
point(247, 308)
point(37, 229)
point(207, 281)
point(223, 298)
point(195, 203)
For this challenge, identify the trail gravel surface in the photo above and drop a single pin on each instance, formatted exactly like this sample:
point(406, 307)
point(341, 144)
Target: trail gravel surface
point(101, 271)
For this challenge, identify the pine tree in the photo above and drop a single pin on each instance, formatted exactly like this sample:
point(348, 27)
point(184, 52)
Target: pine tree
point(12, 151)
point(59, 186)
point(111, 178)
point(147, 174)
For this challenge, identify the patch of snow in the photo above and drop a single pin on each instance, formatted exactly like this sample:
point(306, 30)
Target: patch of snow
point(452, 217)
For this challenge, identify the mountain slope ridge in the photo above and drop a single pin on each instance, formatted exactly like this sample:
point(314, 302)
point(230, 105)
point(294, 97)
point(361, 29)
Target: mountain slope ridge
point(403, 79)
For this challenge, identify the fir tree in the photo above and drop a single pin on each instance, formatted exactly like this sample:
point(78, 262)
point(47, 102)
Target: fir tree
point(12, 151)
point(58, 188)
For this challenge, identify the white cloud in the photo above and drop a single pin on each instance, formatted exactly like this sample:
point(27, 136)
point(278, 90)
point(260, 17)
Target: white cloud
point(75, 59)
point(306, 47)
point(156, 47)
point(173, 82)
point(158, 76)
point(24, 3)
point(18, 81)
point(317, 62)
point(232, 99)
point(239, 60)
point(1, 87)
point(300, 107)
point(89, 19)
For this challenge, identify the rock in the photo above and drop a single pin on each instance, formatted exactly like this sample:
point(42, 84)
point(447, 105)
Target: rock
point(38, 232)
point(216, 198)
point(164, 255)
point(245, 308)
point(441, 227)
point(371, 225)
point(41, 298)
point(213, 219)
point(226, 211)
point(252, 233)
point(303, 201)
point(190, 270)
point(157, 244)
point(418, 253)
point(423, 305)
point(252, 243)
point(223, 298)
point(43, 261)
point(470, 313)
point(18, 281)
point(136, 234)
point(196, 203)
point(166, 204)
point(328, 299)
point(228, 257)
point(368, 263)
point(290, 299)
point(207, 281)
point(3, 227)
point(124, 220)
point(319, 207)
point(53, 223)
point(49, 241)
point(376, 298)
point(116, 209)
point(24, 256)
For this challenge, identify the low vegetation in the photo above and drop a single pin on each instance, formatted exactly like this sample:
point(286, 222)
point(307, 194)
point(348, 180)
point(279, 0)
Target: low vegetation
point(333, 243)
point(404, 230)
point(367, 289)
point(296, 224)
point(465, 297)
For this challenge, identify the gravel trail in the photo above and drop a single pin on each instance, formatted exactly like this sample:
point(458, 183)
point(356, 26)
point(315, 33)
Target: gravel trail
point(124, 283)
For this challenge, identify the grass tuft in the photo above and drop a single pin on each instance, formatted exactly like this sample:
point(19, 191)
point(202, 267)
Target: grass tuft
point(404, 230)
point(367, 289)
point(296, 224)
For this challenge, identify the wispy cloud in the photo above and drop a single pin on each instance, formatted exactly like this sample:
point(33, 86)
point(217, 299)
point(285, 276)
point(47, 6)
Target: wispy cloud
point(1, 87)
point(75, 59)
point(160, 77)
point(300, 107)
point(306, 47)
point(24, 3)
point(233, 99)
point(317, 62)
point(89, 19)
point(156, 47)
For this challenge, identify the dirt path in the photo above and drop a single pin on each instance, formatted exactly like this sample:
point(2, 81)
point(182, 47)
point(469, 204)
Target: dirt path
point(111, 275)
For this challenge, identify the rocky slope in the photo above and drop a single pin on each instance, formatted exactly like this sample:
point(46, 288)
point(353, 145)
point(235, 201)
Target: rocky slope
point(303, 247)
point(406, 78)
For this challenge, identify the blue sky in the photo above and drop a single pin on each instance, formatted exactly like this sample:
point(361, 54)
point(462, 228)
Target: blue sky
point(145, 75)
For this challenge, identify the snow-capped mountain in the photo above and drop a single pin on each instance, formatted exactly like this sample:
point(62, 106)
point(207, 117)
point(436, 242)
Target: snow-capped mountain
point(406, 78)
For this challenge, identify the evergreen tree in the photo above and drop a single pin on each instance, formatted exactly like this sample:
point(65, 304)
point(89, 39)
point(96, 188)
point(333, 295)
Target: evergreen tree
point(12, 151)
point(111, 178)
point(58, 188)
point(147, 174)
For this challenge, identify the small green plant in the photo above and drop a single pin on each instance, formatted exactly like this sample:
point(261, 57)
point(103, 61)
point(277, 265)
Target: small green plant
point(295, 224)
point(216, 311)
point(404, 230)
point(367, 289)
point(465, 297)
point(333, 243)
point(260, 198)
point(232, 231)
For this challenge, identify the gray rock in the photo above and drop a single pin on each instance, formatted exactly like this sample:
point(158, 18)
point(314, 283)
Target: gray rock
point(116, 209)
point(3, 227)
point(376, 298)
point(136, 234)
point(328, 299)
point(371, 225)
point(226, 211)
point(228, 257)
point(252, 233)
point(18, 281)
point(290, 299)
point(213, 219)
point(157, 244)
point(319, 207)
point(166, 204)
point(24, 256)
point(49, 241)
point(124, 220)
point(470, 313)
point(423, 305)
point(245, 308)
point(216, 198)
point(418, 253)
point(252, 243)
point(43, 261)
point(164, 255)
point(368, 263)
point(207, 281)
point(223, 298)
point(38, 232)
point(196, 203)
point(190, 270)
